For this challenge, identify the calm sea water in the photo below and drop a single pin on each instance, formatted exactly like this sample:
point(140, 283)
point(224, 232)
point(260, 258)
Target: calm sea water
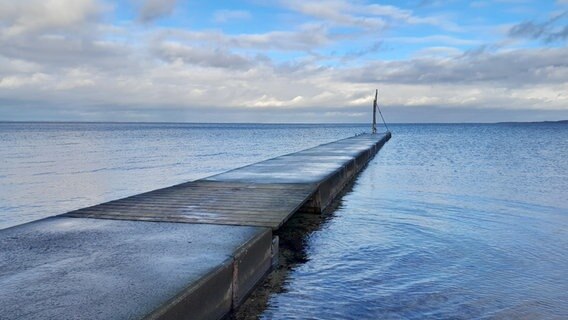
point(447, 221)
point(52, 168)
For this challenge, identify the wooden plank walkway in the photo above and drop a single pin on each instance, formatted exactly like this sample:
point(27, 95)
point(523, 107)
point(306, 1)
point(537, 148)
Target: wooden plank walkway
point(133, 259)
point(263, 194)
point(245, 204)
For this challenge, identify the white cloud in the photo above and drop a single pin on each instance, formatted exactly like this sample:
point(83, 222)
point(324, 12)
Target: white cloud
point(336, 11)
point(209, 57)
point(151, 10)
point(222, 16)
point(371, 17)
point(78, 66)
point(307, 37)
point(433, 39)
point(17, 81)
point(21, 17)
point(513, 69)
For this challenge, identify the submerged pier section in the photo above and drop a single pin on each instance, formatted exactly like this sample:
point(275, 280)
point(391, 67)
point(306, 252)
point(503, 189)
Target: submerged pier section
point(190, 251)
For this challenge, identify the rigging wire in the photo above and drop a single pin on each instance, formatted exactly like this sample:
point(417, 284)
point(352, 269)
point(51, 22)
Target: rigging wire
point(381, 114)
point(375, 108)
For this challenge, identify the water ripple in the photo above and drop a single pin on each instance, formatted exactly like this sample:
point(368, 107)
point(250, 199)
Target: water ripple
point(443, 224)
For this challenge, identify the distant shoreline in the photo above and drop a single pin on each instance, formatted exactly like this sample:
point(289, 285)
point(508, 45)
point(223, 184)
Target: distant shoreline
point(534, 122)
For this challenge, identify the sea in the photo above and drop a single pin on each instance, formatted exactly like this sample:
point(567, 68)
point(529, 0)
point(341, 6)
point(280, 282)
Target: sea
point(448, 221)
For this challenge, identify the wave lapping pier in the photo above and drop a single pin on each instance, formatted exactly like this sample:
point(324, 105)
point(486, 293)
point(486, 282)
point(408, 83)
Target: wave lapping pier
point(190, 251)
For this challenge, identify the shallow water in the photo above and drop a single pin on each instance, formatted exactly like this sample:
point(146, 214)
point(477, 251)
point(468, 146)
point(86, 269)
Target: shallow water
point(447, 221)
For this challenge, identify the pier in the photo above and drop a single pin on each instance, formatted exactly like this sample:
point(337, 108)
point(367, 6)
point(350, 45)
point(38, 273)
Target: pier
point(190, 251)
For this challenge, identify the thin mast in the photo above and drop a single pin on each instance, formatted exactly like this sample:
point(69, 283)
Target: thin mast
point(381, 114)
point(374, 128)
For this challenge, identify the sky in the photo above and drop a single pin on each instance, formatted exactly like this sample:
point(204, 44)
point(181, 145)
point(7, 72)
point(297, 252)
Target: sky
point(294, 61)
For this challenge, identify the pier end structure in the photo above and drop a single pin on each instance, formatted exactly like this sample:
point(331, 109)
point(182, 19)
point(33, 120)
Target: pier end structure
point(193, 250)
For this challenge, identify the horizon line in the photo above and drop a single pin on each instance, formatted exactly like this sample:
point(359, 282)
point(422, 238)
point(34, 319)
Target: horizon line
point(267, 123)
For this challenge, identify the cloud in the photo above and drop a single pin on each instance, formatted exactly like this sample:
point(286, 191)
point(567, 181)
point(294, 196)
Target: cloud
point(337, 12)
point(24, 17)
point(354, 54)
point(510, 69)
point(52, 34)
point(324, 68)
point(547, 31)
point(305, 38)
point(54, 51)
point(191, 79)
point(222, 16)
point(370, 17)
point(23, 80)
point(513, 1)
point(443, 39)
point(479, 4)
point(208, 57)
point(151, 10)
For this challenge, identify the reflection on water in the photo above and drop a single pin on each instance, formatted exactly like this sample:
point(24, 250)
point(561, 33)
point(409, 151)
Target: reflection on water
point(447, 221)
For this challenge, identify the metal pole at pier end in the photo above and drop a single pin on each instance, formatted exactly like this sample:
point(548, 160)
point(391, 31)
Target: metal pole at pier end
point(374, 128)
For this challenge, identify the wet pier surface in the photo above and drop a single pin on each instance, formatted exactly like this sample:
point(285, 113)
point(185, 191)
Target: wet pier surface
point(194, 250)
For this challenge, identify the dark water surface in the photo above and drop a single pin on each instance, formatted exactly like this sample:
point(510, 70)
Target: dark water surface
point(447, 221)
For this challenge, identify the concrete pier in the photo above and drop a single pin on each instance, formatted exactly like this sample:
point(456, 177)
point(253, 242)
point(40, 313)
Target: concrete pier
point(190, 251)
